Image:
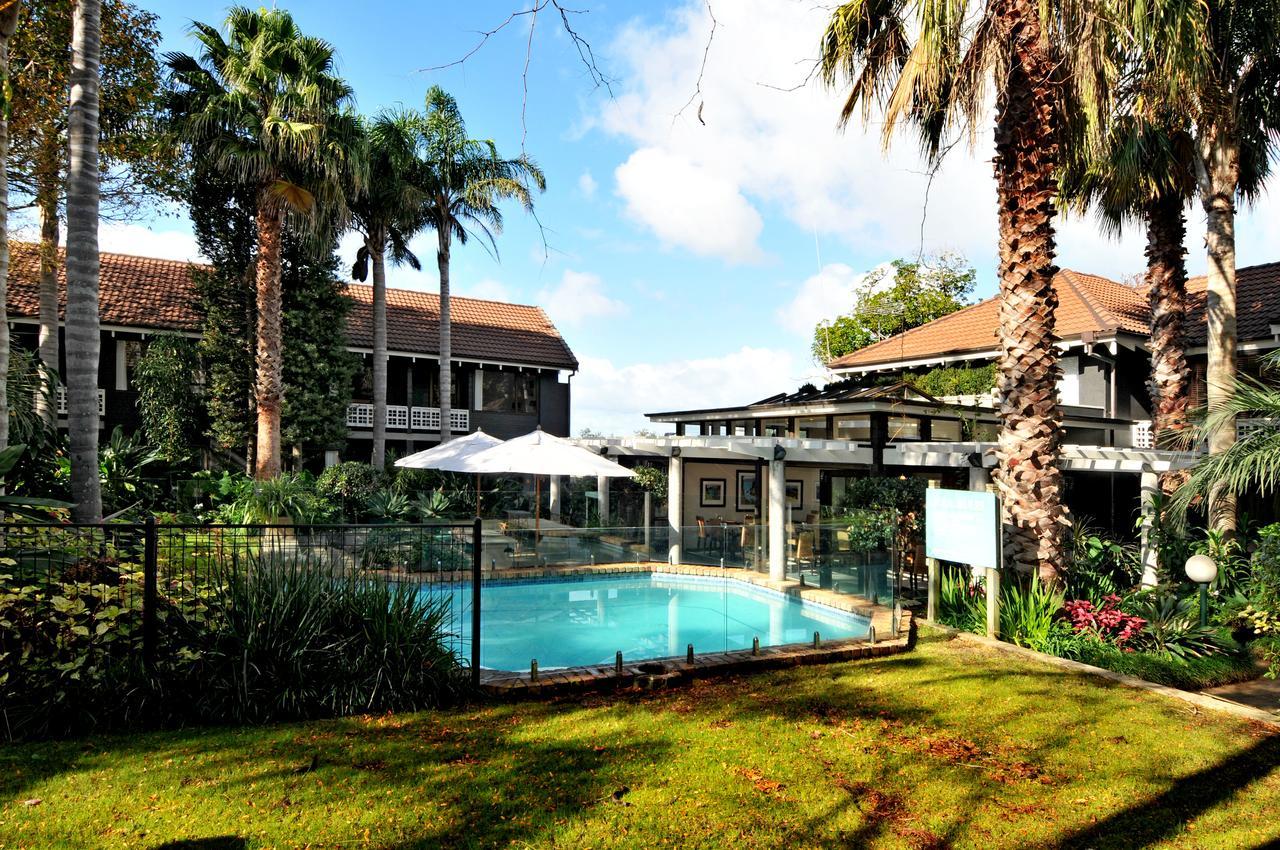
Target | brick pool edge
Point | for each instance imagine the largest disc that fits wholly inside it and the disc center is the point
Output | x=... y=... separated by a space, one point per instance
x=666 y=672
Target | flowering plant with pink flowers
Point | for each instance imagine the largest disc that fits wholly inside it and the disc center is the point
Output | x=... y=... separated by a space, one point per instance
x=1106 y=621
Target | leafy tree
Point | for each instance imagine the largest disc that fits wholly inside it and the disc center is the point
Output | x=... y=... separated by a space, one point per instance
x=82 y=325
x=136 y=164
x=264 y=106
x=167 y=398
x=918 y=293
x=388 y=212
x=466 y=181
x=8 y=21
x=319 y=371
x=929 y=64
x=1219 y=63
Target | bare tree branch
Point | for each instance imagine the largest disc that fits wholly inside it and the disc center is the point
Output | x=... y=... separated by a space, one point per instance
x=702 y=69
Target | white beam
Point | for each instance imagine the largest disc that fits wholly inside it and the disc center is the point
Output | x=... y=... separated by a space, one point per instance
x=777 y=520
x=675 y=508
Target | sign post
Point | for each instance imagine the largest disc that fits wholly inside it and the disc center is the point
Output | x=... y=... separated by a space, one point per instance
x=964 y=527
x=934 y=578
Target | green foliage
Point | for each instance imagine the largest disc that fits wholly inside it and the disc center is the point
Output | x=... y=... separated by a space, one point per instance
x=349 y=485
x=413 y=550
x=36 y=471
x=1029 y=613
x=126 y=470
x=1100 y=565
x=869 y=531
x=167 y=396
x=1173 y=625
x=956 y=380
x=297 y=642
x=388 y=506
x=289 y=497
x=919 y=293
x=1264 y=577
x=319 y=371
x=1188 y=673
x=652 y=479
x=39 y=508
x=962 y=601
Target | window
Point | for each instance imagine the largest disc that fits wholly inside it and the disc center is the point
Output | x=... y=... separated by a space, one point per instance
x=813 y=427
x=509 y=392
x=426 y=386
x=946 y=430
x=853 y=428
x=775 y=427
x=904 y=428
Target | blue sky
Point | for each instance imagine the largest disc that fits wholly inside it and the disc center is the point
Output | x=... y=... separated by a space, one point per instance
x=691 y=251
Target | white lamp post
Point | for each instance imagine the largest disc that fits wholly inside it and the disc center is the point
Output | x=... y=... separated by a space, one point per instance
x=1202 y=570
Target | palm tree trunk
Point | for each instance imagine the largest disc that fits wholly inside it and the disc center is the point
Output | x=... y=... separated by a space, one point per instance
x=83 y=338
x=446 y=339
x=1167 y=291
x=269 y=386
x=1218 y=172
x=8 y=22
x=48 y=344
x=377 y=254
x=1031 y=434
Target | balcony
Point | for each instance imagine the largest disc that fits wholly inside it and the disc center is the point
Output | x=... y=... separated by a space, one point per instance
x=1144 y=439
x=401 y=418
x=62 y=402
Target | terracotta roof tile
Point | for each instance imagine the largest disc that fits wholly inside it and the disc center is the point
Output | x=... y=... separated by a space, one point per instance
x=1257 y=303
x=145 y=292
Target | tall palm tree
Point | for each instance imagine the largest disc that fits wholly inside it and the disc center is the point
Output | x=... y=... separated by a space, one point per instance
x=1142 y=170
x=387 y=213
x=466 y=181
x=8 y=23
x=927 y=66
x=1221 y=68
x=82 y=262
x=265 y=107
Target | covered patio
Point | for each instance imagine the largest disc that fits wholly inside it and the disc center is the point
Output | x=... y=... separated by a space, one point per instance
x=767 y=490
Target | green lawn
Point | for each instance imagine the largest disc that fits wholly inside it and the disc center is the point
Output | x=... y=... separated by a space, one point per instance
x=954 y=745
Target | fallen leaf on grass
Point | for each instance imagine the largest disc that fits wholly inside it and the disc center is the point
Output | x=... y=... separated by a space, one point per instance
x=34 y=801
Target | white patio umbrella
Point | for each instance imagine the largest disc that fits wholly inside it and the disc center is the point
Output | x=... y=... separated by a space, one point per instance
x=539 y=453
x=451 y=456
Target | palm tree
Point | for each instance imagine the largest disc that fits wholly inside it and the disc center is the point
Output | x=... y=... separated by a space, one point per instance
x=8 y=23
x=1251 y=464
x=925 y=64
x=1142 y=170
x=265 y=107
x=466 y=180
x=82 y=263
x=388 y=213
x=1220 y=62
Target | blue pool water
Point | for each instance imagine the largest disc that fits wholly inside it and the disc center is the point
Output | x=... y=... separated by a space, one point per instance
x=646 y=615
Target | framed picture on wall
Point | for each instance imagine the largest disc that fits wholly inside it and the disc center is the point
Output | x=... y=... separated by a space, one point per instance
x=747 y=491
x=795 y=494
x=711 y=493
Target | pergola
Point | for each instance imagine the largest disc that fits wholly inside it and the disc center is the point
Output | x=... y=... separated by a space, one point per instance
x=776 y=452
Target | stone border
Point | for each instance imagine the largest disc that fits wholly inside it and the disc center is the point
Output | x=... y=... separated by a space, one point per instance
x=1200 y=700
x=655 y=673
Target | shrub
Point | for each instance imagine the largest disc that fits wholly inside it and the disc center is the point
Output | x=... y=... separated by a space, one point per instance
x=1264 y=572
x=348 y=486
x=1029 y=613
x=962 y=380
x=1173 y=627
x=387 y=506
x=1105 y=622
x=1192 y=674
x=962 y=602
x=297 y=643
x=1100 y=565
x=291 y=496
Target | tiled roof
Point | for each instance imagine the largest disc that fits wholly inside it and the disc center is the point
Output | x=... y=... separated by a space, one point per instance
x=1257 y=303
x=143 y=292
x=1086 y=303
x=482 y=330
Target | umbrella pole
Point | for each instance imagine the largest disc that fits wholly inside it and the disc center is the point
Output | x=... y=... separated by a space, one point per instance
x=478 y=479
x=537 y=509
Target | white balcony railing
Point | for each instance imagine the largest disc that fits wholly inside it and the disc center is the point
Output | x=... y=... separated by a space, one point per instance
x=401 y=418
x=62 y=402
x=1142 y=437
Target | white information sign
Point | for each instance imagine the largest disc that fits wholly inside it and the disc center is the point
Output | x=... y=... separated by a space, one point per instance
x=962 y=526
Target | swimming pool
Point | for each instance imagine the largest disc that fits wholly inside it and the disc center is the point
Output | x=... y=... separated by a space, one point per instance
x=574 y=622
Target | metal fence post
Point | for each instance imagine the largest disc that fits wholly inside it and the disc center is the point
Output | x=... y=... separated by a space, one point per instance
x=476 y=559
x=150 y=561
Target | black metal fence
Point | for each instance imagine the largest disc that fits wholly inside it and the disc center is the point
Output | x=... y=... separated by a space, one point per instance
x=154 y=573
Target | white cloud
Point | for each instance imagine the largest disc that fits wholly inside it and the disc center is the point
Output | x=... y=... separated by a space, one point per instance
x=824 y=295
x=605 y=395
x=577 y=297
x=689 y=206
x=587 y=184
x=120 y=238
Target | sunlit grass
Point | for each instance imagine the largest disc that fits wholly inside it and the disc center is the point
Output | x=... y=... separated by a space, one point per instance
x=953 y=745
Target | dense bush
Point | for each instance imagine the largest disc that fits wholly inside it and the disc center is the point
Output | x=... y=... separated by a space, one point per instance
x=349 y=484
x=275 y=641
x=951 y=380
x=299 y=643
x=1101 y=566
x=1191 y=674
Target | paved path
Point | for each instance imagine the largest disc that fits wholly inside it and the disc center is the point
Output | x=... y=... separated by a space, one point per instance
x=1260 y=693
